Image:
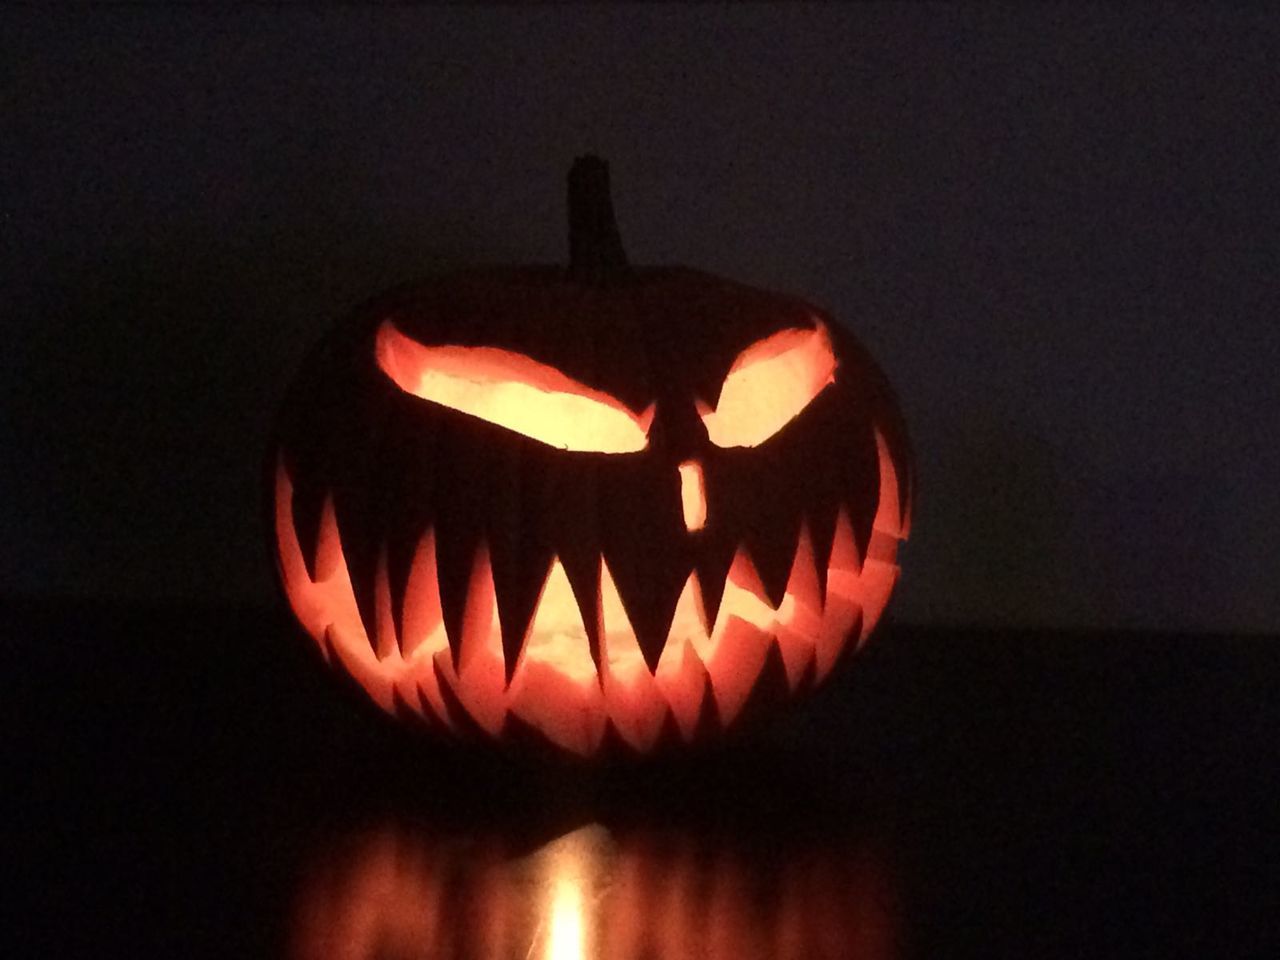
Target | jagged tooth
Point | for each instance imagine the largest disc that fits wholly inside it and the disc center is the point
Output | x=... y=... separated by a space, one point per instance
x=520 y=571
x=713 y=569
x=860 y=509
x=633 y=699
x=889 y=516
x=745 y=598
x=800 y=615
x=556 y=688
x=822 y=527
x=689 y=620
x=881 y=577
x=338 y=600
x=682 y=678
x=386 y=642
x=457 y=549
x=845 y=558
x=845 y=595
x=620 y=644
x=771 y=541
x=307 y=503
x=457 y=715
x=328 y=553
x=348 y=543
x=840 y=620
x=859 y=482
x=474 y=693
x=649 y=597
x=401 y=548
x=582 y=567
x=556 y=635
x=709 y=723
x=421 y=620
x=892 y=447
x=740 y=650
x=477 y=675
x=318 y=606
x=802 y=584
x=479 y=633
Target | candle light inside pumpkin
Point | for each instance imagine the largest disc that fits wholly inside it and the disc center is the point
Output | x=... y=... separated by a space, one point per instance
x=693 y=495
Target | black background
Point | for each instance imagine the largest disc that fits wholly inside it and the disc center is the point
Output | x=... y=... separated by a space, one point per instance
x=1055 y=227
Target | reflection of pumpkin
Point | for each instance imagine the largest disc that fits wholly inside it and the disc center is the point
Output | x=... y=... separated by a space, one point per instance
x=588 y=894
x=601 y=507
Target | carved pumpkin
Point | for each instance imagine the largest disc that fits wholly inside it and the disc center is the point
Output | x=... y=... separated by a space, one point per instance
x=603 y=507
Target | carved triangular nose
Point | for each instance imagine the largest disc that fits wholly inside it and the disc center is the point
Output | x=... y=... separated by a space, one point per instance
x=693 y=495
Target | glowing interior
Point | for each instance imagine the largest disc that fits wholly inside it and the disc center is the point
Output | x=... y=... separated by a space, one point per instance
x=593 y=894
x=693 y=495
x=513 y=391
x=556 y=686
x=768 y=386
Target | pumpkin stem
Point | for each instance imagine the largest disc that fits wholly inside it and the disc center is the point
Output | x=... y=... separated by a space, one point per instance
x=595 y=247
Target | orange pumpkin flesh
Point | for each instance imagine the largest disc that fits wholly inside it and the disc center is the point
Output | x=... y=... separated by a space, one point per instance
x=605 y=515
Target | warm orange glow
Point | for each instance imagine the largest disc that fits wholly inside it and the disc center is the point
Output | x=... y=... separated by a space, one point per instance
x=513 y=391
x=564 y=925
x=375 y=904
x=693 y=495
x=557 y=636
x=770 y=383
x=591 y=894
x=480 y=678
x=635 y=702
x=567 y=880
x=556 y=686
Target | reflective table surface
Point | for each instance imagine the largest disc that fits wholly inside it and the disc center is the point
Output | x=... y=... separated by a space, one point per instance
x=188 y=785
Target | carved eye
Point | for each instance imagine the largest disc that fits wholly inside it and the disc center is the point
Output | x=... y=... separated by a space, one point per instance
x=513 y=391
x=768 y=386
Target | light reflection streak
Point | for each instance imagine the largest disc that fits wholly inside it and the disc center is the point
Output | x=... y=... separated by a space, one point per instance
x=591 y=893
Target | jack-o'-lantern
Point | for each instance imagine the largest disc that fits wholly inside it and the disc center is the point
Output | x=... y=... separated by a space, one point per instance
x=603 y=507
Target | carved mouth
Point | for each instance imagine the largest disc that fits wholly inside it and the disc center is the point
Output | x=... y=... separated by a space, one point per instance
x=557 y=687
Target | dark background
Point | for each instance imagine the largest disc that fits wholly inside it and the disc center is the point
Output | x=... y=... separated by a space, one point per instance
x=1055 y=227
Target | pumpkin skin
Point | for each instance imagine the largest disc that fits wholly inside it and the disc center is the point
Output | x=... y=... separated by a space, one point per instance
x=481 y=580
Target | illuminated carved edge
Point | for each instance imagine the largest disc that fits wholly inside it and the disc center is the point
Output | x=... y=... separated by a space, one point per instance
x=556 y=687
